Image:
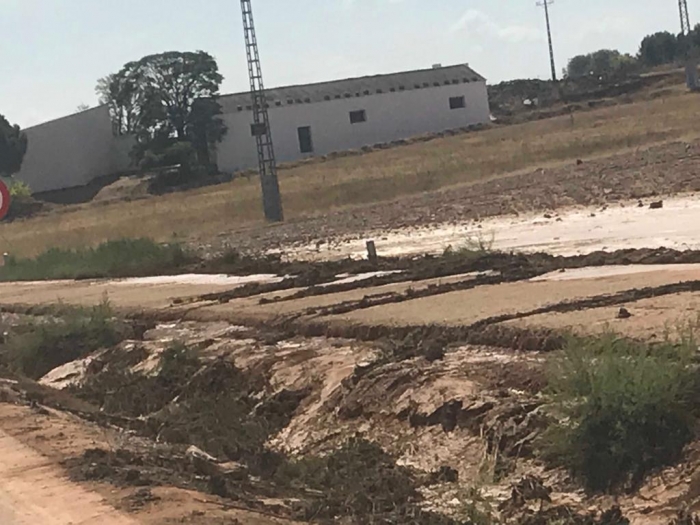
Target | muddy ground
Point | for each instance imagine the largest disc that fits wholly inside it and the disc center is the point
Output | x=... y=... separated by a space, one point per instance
x=416 y=395
x=644 y=174
x=299 y=430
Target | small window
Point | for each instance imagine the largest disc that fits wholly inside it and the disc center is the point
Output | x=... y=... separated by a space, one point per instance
x=258 y=129
x=356 y=117
x=457 y=103
x=306 y=144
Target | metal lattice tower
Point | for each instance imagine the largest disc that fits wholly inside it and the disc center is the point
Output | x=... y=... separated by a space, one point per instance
x=267 y=164
x=546 y=4
x=685 y=18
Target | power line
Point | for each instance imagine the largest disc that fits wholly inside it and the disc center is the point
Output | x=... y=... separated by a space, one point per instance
x=267 y=164
x=546 y=4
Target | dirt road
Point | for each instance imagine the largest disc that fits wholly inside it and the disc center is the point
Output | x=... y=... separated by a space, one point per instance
x=33 y=491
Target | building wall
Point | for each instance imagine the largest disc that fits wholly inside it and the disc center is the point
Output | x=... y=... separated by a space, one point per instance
x=390 y=116
x=73 y=151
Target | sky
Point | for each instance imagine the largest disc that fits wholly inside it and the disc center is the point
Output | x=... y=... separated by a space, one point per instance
x=53 y=51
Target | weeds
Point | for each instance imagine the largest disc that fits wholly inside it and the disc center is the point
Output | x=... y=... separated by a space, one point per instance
x=37 y=349
x=473 y=247
x=124 y=258
x=625 y=409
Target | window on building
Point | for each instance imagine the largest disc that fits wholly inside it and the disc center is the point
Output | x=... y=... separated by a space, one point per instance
x=457 y=103
x=357 y=117
x=258 y=130
x=306 y=144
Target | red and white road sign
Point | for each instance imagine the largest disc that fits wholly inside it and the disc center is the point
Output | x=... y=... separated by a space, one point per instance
x=4 y=200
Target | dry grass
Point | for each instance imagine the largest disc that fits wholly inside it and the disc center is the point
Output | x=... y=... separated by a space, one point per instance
x=378 y=176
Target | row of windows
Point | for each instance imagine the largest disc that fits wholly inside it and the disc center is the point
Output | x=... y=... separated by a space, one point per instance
x=359 y=116
x=306 y=144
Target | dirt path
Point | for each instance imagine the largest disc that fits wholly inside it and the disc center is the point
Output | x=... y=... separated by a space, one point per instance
x=33 y=491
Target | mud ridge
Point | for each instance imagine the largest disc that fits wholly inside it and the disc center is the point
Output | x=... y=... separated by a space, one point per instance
x=310 y=275
x=600 y=301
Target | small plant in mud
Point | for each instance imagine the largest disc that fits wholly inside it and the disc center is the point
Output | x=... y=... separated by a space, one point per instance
x=37 y=348
x=625 y=409
x=473 y=246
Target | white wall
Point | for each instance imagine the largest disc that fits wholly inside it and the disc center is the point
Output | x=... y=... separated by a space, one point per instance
x=74 y=150
x=390 y=116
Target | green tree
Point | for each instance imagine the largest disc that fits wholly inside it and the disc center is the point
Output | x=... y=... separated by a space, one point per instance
x=169 y=102
x=606 y=63
x=579 y=66
x=659 y=48
x=13 y=147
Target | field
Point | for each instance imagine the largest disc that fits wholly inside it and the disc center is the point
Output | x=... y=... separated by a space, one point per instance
x=363 y=184
x=547 y=375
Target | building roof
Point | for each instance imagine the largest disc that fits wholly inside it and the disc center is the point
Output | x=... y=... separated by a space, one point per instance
x=356 y=87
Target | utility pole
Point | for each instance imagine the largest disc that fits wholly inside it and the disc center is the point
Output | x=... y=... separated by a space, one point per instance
x=267 y=164
x=691 y=65
x=685 y=18
x=546 y=4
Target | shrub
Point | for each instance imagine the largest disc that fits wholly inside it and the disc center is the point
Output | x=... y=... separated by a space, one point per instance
x=19 y=190
x=44 y=345
x=624 y=407
x=472 y=247
x=124 y=258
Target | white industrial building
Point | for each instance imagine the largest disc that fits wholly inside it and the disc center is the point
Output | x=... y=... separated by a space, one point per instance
x=306 y=120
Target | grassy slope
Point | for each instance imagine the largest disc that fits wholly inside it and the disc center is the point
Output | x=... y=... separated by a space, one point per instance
x=378 y=176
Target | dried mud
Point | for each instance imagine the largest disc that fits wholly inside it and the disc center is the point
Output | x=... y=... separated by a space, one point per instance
x=660 y=170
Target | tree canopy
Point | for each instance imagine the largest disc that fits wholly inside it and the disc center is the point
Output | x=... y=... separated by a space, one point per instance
x=655 y=50
x=659 y=48
x=169 y=102
x=13 y=147
x=603 y=63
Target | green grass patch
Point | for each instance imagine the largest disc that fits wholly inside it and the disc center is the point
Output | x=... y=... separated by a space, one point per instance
x=123 y=258
x=625 y=409
x=35 y=349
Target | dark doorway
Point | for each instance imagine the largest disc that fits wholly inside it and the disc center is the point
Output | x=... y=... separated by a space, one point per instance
x=306 y=144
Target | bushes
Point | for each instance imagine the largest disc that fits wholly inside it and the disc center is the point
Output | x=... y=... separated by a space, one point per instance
x=124 y=258
x=44 y=345
x=625 y=409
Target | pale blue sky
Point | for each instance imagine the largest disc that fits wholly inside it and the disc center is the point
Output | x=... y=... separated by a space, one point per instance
x=53 y=51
